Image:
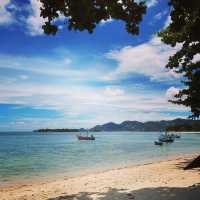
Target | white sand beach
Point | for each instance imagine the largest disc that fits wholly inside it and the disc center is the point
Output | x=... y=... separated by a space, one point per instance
x=163 y=180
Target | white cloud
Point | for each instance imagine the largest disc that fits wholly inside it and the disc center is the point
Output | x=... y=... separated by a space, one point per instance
x=88 y=105
x=196 y=58
x=167 y=22
x=34 y=22
x=171 y=92
x=5 y=16
x=149 y=3
x=159 y=15
x=113 y=91
x=103 y=22
x=67 y=61
x=38 y=65
x=148 y=59
x=24 y=77
x=56 y=85
x=60 y=65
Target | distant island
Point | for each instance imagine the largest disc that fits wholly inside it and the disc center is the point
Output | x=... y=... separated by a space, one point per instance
x=57 y=130
x=169 y=125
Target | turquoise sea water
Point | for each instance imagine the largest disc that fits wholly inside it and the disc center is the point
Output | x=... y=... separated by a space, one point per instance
x=34 y=155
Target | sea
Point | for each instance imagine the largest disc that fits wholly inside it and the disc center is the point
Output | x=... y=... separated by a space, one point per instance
x=26 y=156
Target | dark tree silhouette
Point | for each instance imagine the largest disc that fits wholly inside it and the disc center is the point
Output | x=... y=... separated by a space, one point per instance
x=185 y=29
x=86 y=14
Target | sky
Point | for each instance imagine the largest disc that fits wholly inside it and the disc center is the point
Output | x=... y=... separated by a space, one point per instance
x=77 y=79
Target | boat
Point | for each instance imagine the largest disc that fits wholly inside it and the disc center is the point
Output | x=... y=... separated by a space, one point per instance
x=85 y=137
x=178 y=136
x=166 y=138
x=158 y=143
x=175 y=136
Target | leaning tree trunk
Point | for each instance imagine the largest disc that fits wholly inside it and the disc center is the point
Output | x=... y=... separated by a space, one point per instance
x=194 y=164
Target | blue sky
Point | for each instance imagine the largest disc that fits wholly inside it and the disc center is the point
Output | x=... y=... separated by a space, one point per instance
x=77 y=79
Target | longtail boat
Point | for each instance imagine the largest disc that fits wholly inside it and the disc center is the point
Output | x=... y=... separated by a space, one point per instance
x=81 y=137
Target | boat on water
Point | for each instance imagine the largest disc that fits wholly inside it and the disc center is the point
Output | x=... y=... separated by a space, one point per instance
x=158 y=143
x=166 y=138
x=176 y=136
x=85 y=137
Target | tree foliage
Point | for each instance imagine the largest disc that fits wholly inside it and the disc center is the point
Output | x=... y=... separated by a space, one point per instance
x=193 y=126
x=86 y=14
x=185 y=29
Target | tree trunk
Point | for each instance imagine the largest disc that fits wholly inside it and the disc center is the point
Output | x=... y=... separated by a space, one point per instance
x=194 y=164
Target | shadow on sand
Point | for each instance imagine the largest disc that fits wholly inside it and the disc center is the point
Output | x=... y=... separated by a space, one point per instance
x=181 y=165
x=159 y=193
x=189 y=163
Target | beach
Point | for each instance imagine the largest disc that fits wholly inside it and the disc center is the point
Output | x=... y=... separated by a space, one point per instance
x=158 y=180
x=99 y=100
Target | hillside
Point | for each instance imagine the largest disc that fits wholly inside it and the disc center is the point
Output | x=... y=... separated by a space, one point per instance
x=176 y=125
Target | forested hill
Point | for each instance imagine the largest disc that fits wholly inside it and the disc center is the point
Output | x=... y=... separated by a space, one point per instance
x=169 y=125
x=172 y=125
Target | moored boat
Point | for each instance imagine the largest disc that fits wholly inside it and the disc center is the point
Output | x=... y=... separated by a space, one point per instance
x=158 y=143
x=82 y=137
x=166 y=138
x=177 y=136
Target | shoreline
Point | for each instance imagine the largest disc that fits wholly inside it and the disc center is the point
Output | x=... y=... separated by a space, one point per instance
x=92 y=171
x=141 y=173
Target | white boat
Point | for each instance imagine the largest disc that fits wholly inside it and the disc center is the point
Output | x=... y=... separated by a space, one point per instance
x=166 y=138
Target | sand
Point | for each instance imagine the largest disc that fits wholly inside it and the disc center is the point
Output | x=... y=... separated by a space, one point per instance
x=163 y=180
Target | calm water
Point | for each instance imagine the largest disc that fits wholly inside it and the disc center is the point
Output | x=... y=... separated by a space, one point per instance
x=33 y=155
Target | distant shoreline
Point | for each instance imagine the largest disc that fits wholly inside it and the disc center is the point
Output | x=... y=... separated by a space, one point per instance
x=57 y=130
x=78 y=131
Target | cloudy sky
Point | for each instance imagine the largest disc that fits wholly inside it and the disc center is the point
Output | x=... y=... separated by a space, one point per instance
x=77 y=79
